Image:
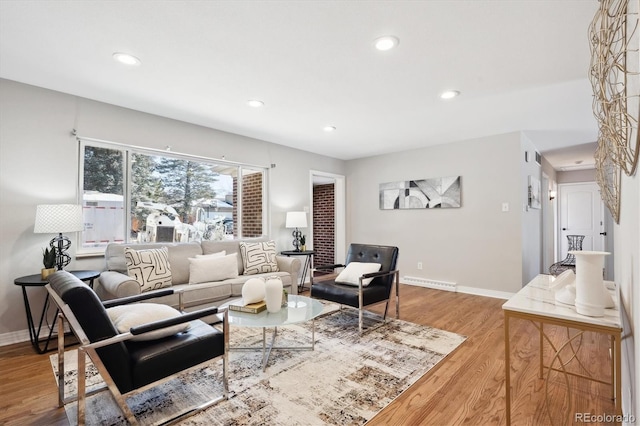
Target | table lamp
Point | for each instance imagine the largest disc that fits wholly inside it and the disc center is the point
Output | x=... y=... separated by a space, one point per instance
x=296 y=220
x=59 y=218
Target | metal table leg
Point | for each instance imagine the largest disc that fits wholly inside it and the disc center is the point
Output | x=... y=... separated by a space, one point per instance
x=34 y=335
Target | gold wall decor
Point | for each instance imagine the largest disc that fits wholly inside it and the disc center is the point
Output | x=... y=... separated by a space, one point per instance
x=615 y=79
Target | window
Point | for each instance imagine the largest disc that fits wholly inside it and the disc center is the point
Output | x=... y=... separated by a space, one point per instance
x=133 y=194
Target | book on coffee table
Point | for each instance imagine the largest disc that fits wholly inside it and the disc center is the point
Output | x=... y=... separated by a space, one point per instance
x=251 y=308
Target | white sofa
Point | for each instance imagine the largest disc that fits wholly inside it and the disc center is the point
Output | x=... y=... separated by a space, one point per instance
x=115 y=283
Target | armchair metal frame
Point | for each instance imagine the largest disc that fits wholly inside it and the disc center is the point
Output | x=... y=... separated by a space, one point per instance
x=361 y=289
x=90 y=349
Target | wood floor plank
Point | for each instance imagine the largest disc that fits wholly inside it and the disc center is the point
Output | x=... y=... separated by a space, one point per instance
x=467 y=388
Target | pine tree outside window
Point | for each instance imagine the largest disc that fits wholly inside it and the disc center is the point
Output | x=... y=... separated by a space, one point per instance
x=137 y=195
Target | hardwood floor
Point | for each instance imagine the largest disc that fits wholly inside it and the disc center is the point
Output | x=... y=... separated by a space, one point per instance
x=467 y=388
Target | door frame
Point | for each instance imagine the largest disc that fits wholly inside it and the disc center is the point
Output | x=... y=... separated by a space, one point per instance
x=606 y=226
x=340 y=208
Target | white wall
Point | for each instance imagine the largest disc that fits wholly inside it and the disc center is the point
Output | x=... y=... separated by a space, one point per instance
x=627 y=276
x=576 y=176
x=39 y=164
x=477 y=245
x=531 y=218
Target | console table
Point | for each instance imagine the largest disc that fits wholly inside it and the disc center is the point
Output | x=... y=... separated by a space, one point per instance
x=536 y=303
x=37 y=281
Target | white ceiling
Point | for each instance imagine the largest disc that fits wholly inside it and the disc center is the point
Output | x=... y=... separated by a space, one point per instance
x=520 y=65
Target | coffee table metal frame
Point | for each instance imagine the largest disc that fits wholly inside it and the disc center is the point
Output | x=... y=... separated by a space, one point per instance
x=299 y=309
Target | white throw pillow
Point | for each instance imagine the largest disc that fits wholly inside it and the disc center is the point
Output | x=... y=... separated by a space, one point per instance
x=259 y=258
x=124 y=317
x=207 y=269
x=150 y=267
x=355 y=270
x=218 y=254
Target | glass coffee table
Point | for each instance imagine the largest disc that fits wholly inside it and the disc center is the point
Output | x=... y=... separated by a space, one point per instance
x=299 y=309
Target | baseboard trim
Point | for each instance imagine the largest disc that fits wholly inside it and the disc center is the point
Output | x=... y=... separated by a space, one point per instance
x=14 y=337
x=23 y=336
x=496 y=294
x=469 y=290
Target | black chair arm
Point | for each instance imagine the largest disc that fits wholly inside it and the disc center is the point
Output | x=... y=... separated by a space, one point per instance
x=137 y=298
x=378 y=274
x=156 y=325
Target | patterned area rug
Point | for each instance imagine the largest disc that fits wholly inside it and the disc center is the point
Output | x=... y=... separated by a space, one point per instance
x=346 y=380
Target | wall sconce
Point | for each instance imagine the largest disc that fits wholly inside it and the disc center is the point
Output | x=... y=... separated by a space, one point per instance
x=552 y=195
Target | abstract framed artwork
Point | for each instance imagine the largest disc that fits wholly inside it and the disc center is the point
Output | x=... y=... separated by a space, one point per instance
x=535 y=193
x=433 y=193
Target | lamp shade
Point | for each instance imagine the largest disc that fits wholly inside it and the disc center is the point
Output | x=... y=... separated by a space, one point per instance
x=296 y=220
x=58 y=218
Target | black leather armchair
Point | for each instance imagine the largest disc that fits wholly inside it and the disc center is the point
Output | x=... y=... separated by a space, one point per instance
x=378 y=290
x=127 y=366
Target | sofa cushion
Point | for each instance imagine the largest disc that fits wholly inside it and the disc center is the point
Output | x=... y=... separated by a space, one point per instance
x=212 y=268
x=259 y=257
x=179 y=254
x=354 y=270
x=150 y=268
x=238 y=283
x=199 y=294
x=210 y=255
x=124 y=317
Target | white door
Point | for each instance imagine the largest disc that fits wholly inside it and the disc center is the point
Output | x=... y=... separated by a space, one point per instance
x=581 y=213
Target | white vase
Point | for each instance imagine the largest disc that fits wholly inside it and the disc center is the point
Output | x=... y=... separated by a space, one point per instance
x=253 y=291
x=273 y=290
x=590 y=289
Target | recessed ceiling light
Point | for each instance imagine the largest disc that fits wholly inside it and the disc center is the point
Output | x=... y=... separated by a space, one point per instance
x=254 y=103
x=125 y=58
x=386 y=42
x=449 y=94
x=329 y=128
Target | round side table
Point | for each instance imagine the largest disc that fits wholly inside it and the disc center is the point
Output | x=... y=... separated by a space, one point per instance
x=37 y=281
x=308 y=264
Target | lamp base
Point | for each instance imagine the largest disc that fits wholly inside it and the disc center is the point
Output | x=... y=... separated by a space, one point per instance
x=296 y=239
x=61 y=244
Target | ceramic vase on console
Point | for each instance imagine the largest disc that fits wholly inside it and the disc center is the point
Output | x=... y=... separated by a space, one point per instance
x=564 y=286
x=273 y=296
x=591 y=294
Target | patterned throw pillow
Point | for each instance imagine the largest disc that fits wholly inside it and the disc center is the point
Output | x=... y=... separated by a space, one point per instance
x=258 y=257
x=149 y=267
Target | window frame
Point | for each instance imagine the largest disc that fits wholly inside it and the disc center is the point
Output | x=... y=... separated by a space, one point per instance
x=129 y=150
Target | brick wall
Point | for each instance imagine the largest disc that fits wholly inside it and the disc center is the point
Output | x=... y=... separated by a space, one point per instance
x=323 y=224
x=251 y=205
